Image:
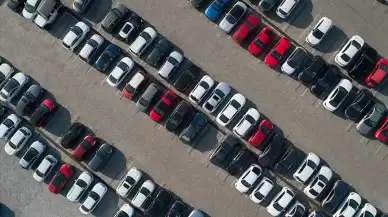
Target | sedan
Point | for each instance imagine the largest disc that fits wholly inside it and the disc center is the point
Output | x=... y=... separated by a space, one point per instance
x=273 y=151
x=186 y=78
x=223 y=151
x=114 y=16
x=215 y=9
x=319 y=182
x=349 y=206
x=378 y=74
x=43 y=113
x=119 y=72
x=32 y=154
x=196 y=127
x=307 y=168
x=128 y=183
x=243 y=31
x=106 y=58
x=86 y=145
x=280 y=202
x=178 y=208
x=45 y=167
x=181 y=113
x=72 y=134
x=143 y=41
x=131 y=27
x=382 y=132
x=219 y=93
x=29 y=10
x=319 y=31
x=126 y=210
x=143 y=194
x=326 y=81
x=363 y=102
x=61 y=178
x=278 y=51
x=94 y=197
x=261 y=41
x=337 y=95
x=167 y=101
x=262 y=133
x=233 y=16
x=80 y=186
x=101 y=157
x=262 y=190
x=294 y=61
x=159 y=204
x=29 y=100
x=6 y=72
x=9 y=125
x=246 y=123
x=91 y=47
x=13 y=87
x=349 y=50
x=367 y=211
x=172 y=62
x=201 y=89
x=297 y=209
x=235 y=104
x=80 y=6
x=248 y=178
x=337 y=194
x=288 y=162
x=314 y=70
x=159 y=52
x=371 y=119
x=75 y=35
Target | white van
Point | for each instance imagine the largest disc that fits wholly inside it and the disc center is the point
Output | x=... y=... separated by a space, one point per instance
x=286 y=7
x=47 y=12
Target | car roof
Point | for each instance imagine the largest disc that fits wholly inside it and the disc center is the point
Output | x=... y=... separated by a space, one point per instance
x=325 y=25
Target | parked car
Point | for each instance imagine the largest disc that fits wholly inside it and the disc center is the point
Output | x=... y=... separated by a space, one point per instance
x=6 y=72
x=47 y=13
x=134 y=85
x=319 y=31
x=165 y=104
x=17 y=141
x=349 y=50
x=84 y=146
x=29 y=10
x=3 y=110
x=196 y=127
x=120 y=71
x=93 y=199
x=246 y=28
x=75 y=36
x=337 y=194
x=319 y=182
x=186 y=78
x=288 y=162
x=216 y=8
x=101 y=157
x=349 y=206
x=32 y=154
x=159 y=204
x=42 y=113
x=29 y=99
x=262 y=190
x=220 y=92
x=314 y=70
x=201 y=89
x=159 y=52
x=363 y=102
x=72 y=134
x=307 y=168
x=8 y=126
x=178 y=208
x=80 y=6
x=262 y=133
x=126 y=210
x=371 y=119
x=172 y=62
x=280 y=202
x=248 y=178
x=278 y=51
x=131 y=27
x=13 y=87
x=266 y=5
x=143 y=194
x=60 y=179
x=295 y=210
x=382 y=132
x=196 y=3
x=45 y=167
x=129 y=181
x=143 y=41
x=363 y=64
x=147 y=97
x=233 y=17
x=224 y=149
x=196 y=213
x=334 y=100
x=261 y=41
x=246 y=123
x=367 y=210
x=294 y=61
x=16 y=5
x=378 y=74
x=80 y=186
x=114 y=16
x=181 y=113
x=106 y=58
x=286 y=7
x=241 y=162
x=91 y=47
x=234 y=106
x=326 y=82
x=272 y=151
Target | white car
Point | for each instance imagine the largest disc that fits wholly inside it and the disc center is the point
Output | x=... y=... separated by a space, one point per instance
x=297 y=209
x=143 y=193
x=235 y=104
x=248 y=178
x=337 y=95
x=17 y=141
x=294 y=61
x=32 y=154
x=126 y=210
x=307 y=168
x=319 y=182
x=121 y=70
x=172 y=62
x=233 y=16
x=94 y=197
x=45 y=167
x=5 y=73
x=367 y=211
x=130 y=180
x=13 y=87
x=319 y=31
x=29 y=10
x=90 y=48
x=142 y=41
x=246 y=123
x=262 y=190
x=201 y=89
x=8 y=126
x=349 y=50
x=280 y=202
x=75 y=35
x=349 y=206
x=219 y=93
x=79 y=187
x=286 y=7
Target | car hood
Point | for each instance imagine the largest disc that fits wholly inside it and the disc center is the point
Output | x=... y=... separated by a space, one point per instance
x=312 y=40
x=287 y=69
x=69 y=38
x=166 y=69
x=226 y=26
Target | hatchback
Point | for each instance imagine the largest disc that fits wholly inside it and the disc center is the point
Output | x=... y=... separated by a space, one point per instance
x=119 y=72
x=234 y=106
x=159 y=52
x=248 y=178
x=164 y=105
x=44 y=111
x=114 y=16
x=86 y=145
x=319 y=31
x=220 y=92
x=45 y=167
x=91 y=47
x=133 y=85
x=378 y=74
x=93 y=199
x=278 y=51
x=246 y=123
x=186 y=78
x=294 y=61
x=101 y=157
x=233 y=16
x=170 y=65
x=106 y=58
x=72 y=134
x=17 y=141
x=181 y=113
x=80 y=186
x=319 y=182
x=307 y=168
x=196 y=127
x=337 y=95
x=32 y=154
x=286 y=7
x=75 y=35
x=262 y=133
x=143 y=41
x=147 y=97
x=129 y=181
x=243 y=31
x=371 y=119
x=201 y=89
x=143 y=194
x=262 y=190
x=261 y=41
x=60 y=179
x=280 y=202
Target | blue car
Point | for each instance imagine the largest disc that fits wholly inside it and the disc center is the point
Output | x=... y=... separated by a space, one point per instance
x=107 y=57
x=214 y=10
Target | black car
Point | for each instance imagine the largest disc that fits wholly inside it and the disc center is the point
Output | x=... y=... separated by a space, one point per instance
x=241 y=162
x=16 y=5
x=326 y=82
x=72 y=134
x=360 y=105
x=186 y=78
x=28 y=101
x=313 y=71
x=177 y=209
x=196 y=3
x=3 y=110
x=364 y=64
x=224 y=150
x=266 y=5
x=196 y=127
x=114 y=16
x=181 y=112
x=337 y=194
x=159 y=204
x=272 y=152
x=160 y=51
x=289 y=162
x=296 y=58
x=106 y=58
x=102 y=156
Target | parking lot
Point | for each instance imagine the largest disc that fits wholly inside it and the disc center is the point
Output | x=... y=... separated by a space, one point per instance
x=186 y=170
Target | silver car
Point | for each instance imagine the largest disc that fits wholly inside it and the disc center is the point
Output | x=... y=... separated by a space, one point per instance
x=28 y=100
x=371 y=119
x=146 y=98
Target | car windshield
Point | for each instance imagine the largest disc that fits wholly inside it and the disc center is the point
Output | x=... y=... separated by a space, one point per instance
x=235 y=104
x=161 y=108
x=173 y=61
x=276 y=55
x=216 y=7
x=219 y=93
x=122 y=214
x=113 y=79
x=11 y=85
x=86 y=145
x=384 y=67
x=77 y=30
x=250 y=119
x=318 y=34
x=245 y=183
x=259 y=43
x=31 y=154
x=368 y=214
x=8 y=123
x=170 y=97
x=4 y=96
x=145 y=191
x=123 y=66
x=94 y=195
x=258 y=195
x=145 y=35
x=353 y=204
x=126 y=28
x=105 y=57
x=30 y=8
x=81 y=183
x=14 y=146
x=130 y=180
x=356 y=44
x=277 y=207
x=265 y=5
x=230 y=19
x=77 y=5
x=40 y=174
x=143 y=102
x=313 y=192
x=341 y=94
x=370 y=123
x=345 y=57
x=311 y=164
x=59 y=179
x=224 y=119
x=130 y=89
x=385 y=132
x=282 y=12
x=293 y=64
x=204 y=85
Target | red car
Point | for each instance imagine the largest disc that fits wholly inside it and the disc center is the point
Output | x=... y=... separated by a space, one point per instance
x=382 y=133
x=42 y=113
x=265 y=36
x=243 y=31
x=277 y=52
x=378 y=74
x=165 y=104
x=265 y=128
x=61 y=178
x=87 y=143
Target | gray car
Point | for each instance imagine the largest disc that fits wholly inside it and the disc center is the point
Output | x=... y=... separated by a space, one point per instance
x=102 y=156
x=114 y=16
x=28 y=100
x=266 y=5
x=146 y=98
x=371 y=119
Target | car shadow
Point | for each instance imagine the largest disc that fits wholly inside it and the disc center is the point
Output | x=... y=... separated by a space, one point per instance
x=332 y=41
x=303 y=15
x=114 y=165
x=109 y=204
x=5 y=210
x=97 y=10
x=62 y=24
x=207 y=141
x=58 y=122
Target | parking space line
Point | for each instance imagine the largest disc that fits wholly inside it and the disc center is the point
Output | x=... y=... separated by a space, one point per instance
x=304 y=92
x=173 y=136
x=215 y=26
x=301 y=186
x=76 y=56
x=145 y=116
x=130 y=105
x=208 y=155
x=289 y=81
x=300 y=84
x=320 y=103
x=349 y=127
x=103 y=82
x=378 y=149
x=218 y=171
x=160 y=126
x=234 y=181
x=118 y=93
